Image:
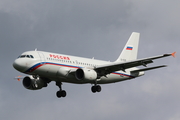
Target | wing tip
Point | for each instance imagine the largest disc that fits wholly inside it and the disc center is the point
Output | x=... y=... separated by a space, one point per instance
x=173 y=54
x=18 y=78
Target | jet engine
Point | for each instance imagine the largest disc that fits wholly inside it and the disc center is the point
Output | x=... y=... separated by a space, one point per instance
x=86 y=74
x=31 y=83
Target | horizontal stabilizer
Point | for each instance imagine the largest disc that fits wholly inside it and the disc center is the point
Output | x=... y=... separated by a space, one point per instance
x=145 y=69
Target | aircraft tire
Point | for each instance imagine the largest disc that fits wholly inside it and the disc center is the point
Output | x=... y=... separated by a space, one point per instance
x=63 y=93
x=98 y=88
x=60 y=94
x=93 y=89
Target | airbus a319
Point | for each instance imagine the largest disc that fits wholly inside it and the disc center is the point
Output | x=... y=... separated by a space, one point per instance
x=44 y=67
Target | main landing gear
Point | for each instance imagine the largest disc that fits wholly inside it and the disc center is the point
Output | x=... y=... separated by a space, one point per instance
x=96 y=88
x=60 y=93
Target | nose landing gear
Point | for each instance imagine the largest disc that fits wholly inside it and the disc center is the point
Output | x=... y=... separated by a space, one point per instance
x=60 y=93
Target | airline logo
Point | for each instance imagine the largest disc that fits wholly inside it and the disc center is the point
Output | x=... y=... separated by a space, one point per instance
x=59 y=57
x=129 y=48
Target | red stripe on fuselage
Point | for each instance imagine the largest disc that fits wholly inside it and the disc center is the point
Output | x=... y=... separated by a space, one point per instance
x=33 y=68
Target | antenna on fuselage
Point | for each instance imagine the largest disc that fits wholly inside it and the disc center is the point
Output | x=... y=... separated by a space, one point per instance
x=35 y=49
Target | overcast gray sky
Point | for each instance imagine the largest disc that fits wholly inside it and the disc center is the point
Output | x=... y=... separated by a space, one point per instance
x=91 y=28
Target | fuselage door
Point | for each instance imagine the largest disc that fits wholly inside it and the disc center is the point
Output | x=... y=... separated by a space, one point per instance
x=42 y=57
x=76 y=62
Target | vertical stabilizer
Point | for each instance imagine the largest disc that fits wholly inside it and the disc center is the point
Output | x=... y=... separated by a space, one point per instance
x=130 y=50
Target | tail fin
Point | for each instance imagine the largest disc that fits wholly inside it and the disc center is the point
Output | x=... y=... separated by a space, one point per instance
x=130 y=50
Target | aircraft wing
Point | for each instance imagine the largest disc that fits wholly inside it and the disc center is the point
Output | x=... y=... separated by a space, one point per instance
x=116 y=66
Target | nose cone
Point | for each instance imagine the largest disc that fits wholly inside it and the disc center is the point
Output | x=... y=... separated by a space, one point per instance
x=20 y=65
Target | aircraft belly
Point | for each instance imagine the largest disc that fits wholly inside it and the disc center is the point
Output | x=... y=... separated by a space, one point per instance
x=112 y=78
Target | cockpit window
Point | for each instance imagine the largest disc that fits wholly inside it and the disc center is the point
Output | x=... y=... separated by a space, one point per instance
x=22 y=56
x=25 y=56
x=31 y=56
x=28 y=56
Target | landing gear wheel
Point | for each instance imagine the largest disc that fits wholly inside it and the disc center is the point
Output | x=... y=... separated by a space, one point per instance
x=93 y=89
x=58 y=94
x=61 y=93
x=96 y=88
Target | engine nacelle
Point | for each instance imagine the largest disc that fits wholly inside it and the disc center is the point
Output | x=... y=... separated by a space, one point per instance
x=33 y=84
x=86 y=74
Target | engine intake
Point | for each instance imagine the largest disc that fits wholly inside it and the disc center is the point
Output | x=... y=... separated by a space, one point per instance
x=33 y=84
x=86 y=74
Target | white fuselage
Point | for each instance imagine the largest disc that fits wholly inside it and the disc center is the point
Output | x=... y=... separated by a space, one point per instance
x=44 y=67
x=57 y=67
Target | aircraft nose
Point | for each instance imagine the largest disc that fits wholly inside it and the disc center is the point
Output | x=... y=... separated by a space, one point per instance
x=19 y=65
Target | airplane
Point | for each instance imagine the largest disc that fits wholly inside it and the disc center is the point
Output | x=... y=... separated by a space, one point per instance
x=44 y=67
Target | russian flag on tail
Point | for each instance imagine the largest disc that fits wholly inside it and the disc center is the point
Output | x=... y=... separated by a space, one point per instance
x=129 y=48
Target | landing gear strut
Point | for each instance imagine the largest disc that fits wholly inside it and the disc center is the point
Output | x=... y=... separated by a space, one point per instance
x=60 y=93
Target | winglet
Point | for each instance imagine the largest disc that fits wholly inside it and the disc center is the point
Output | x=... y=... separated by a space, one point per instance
x=173 y=54
x=18 y=78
